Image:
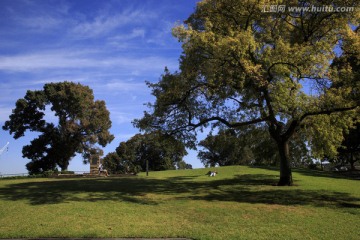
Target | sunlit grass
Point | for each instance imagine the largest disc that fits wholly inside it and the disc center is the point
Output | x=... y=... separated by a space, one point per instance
x=239 y=203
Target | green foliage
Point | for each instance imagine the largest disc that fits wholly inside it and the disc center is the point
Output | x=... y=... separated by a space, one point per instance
x=162 y=152
x=349 y=152
x=116 y=165
x=82 y=123
x=66 y=172
x=224 y=149
x=249 y=146
x=325 y=133
x=241 y=66
x=183 y=165
x=314 y=166
x=49 y=173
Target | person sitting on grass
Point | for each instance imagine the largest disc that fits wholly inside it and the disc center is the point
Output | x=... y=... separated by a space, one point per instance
x=212 y=173
x=101 y=169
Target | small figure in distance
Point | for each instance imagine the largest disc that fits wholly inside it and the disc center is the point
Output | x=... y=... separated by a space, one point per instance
x=212 y=173
x=101 y=169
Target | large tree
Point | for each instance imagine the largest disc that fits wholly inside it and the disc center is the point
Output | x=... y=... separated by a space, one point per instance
x=82 y=125
x=242 y=66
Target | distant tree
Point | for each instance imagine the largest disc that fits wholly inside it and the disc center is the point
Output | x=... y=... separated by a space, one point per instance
x=350 y=150
x=327 y=134
x=128 y=153
x=181 y=164
x=114 y=164
x=265 y=150
x=161 y=151
x=224 y=149
x=82 y=123
x=262 y=146
x=350 y=147
x=248 y=145
x=241 y=66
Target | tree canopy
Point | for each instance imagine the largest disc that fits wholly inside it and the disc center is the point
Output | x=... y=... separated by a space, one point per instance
x=82 y=124
x=241 y=66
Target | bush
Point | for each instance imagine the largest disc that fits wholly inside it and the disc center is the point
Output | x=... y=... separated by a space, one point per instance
x=48 y=173
x=313 y=166
x=67 y=172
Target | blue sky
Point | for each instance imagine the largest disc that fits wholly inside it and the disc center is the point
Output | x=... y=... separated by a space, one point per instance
x=113 y=46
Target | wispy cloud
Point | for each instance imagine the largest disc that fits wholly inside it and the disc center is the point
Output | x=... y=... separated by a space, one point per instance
x=65 y=59
x=126 y=86
x=35 y=17
x=40 y=23
x=119 y=117
x=105 y=23
x=125 y=39
x=162 y=34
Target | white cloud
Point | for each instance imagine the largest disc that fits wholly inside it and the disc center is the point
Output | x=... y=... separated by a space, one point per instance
x=105 y=23
x=135 y=33
x=67 y=59
x=126 y=86
x=45 y=60
x=40 y=23
x=35 y=17
x=162 y=35
x=118 y=117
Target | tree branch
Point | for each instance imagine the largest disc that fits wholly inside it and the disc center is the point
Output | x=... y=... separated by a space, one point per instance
x=327 y=112
x=227 y=123
x=271 y=117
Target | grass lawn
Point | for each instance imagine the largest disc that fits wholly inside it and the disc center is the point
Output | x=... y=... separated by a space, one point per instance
x=239 y=203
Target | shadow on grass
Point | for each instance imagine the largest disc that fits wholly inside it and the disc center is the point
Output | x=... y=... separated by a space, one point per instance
x=354 y=175
x=254 y=188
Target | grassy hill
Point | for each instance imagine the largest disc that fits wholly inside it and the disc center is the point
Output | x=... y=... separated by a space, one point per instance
x=239 y=203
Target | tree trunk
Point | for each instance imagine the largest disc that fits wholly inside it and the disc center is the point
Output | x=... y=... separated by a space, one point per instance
x=285 y=169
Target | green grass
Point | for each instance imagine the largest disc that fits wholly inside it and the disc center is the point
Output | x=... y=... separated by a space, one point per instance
x=239 y=203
